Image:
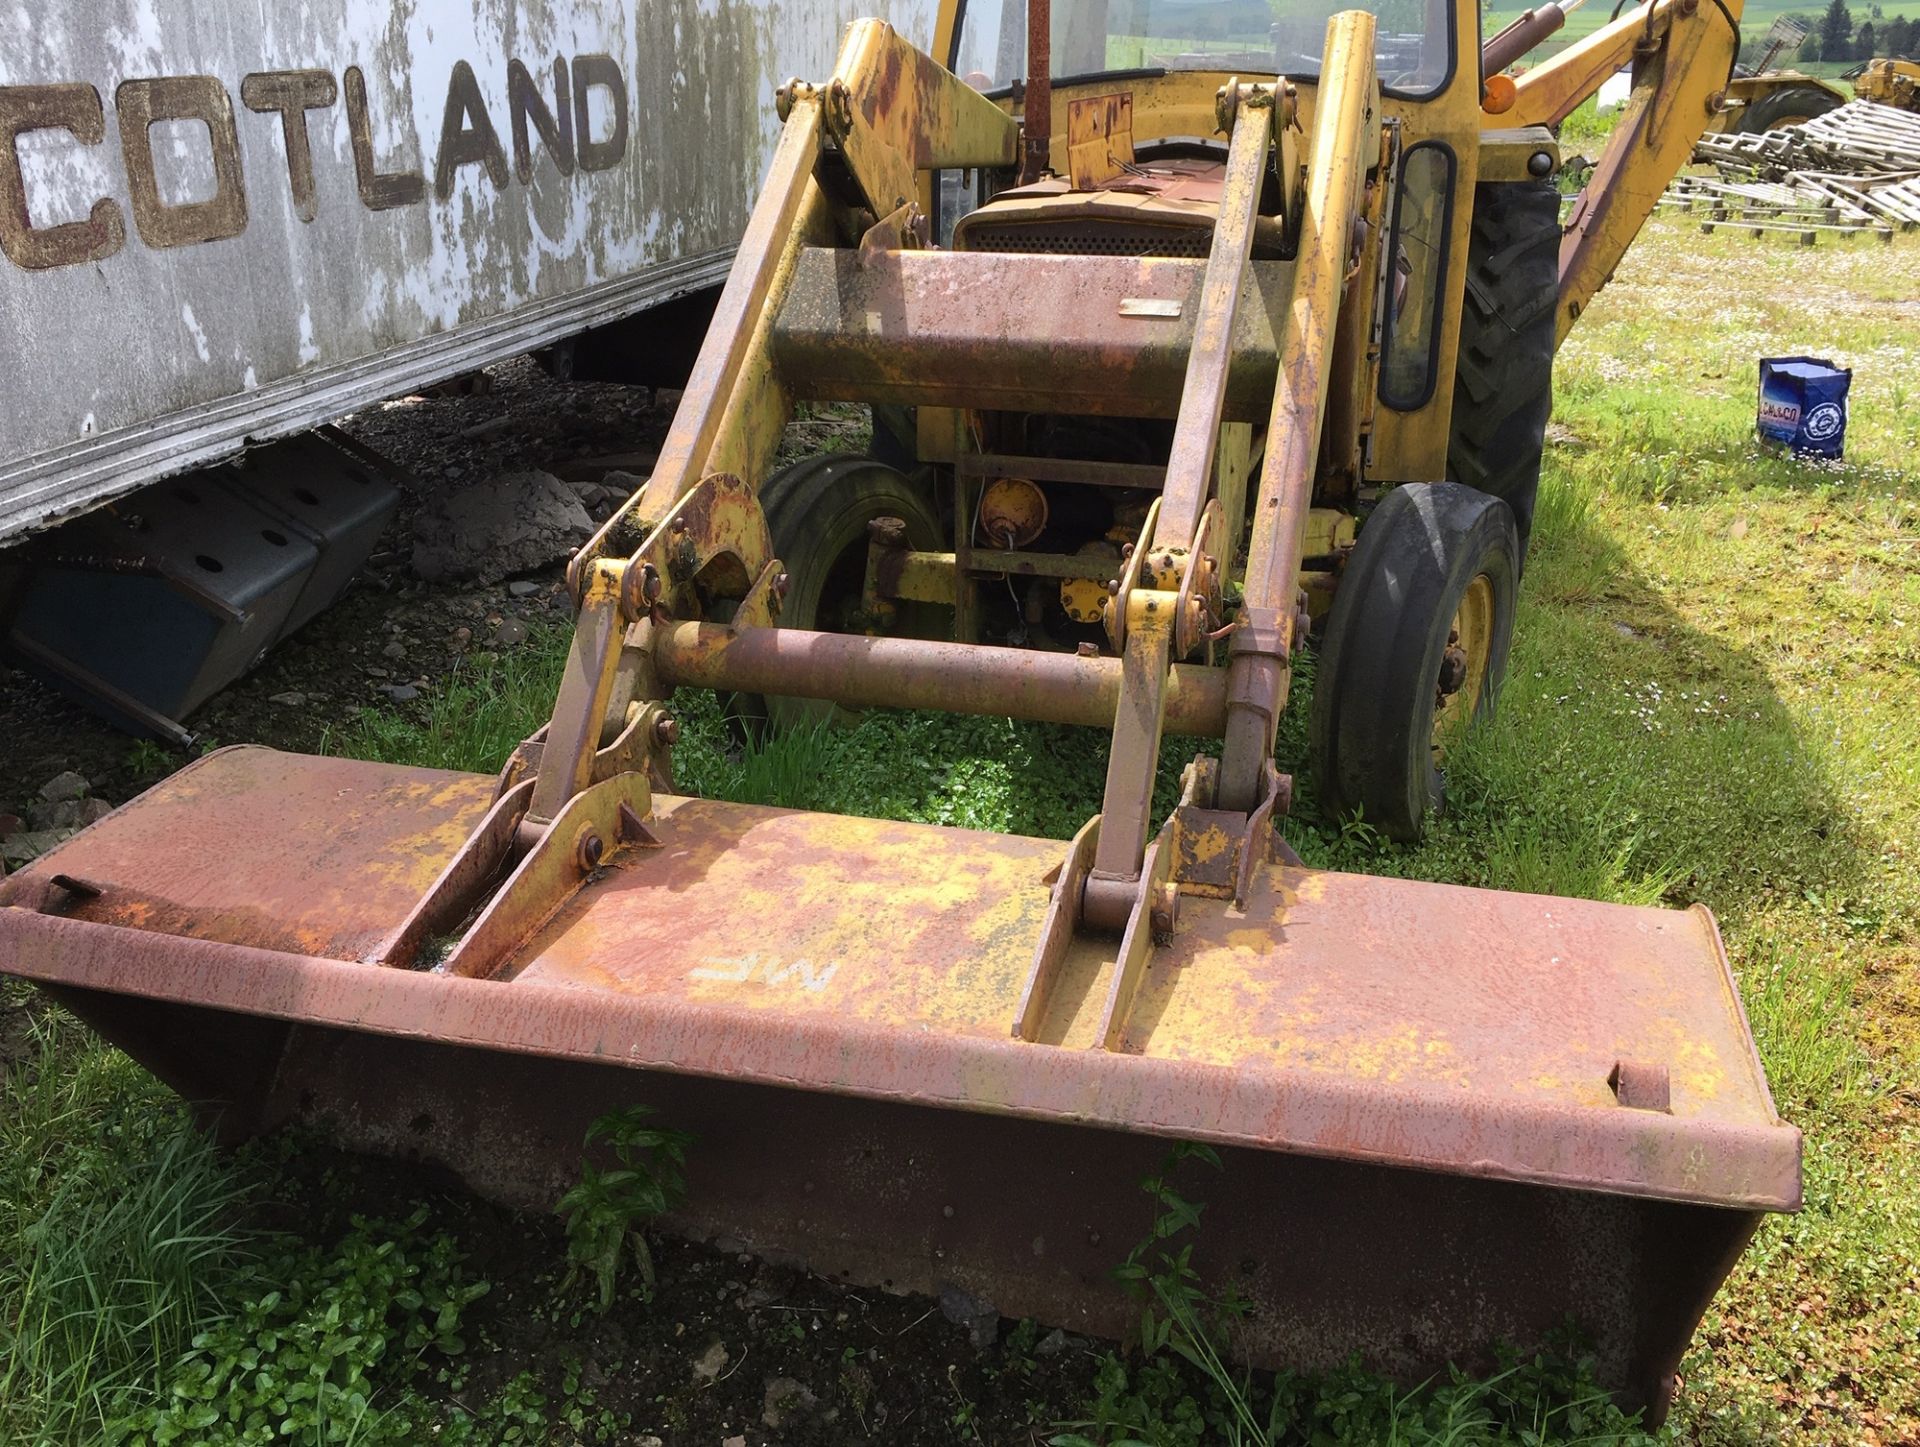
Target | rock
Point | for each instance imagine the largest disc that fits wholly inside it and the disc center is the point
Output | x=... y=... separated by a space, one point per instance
x=1053 y=1343
x=1739 y=528
x=512 y=523
x=27 y=847
x=459 y=638
x=288 y=700
x=396 y=649
x=739 y=1441
x=711 y=1362
x=64 y=815
x=492 y=427
x=76 y=813
x=522 y=588
x=623 y=484
x=592 y=495
x=373 y=672
x=403 y=693
x=11 y=824
x=68 y=785
x=786 y=1400
x=510 y=632
x=980 y=1318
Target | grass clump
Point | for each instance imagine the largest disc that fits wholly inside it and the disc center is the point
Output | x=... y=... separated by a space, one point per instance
x=473 y=720
x=142 y=1300
x=609 y=1210
x=117 y=1239
x=1181 y=1389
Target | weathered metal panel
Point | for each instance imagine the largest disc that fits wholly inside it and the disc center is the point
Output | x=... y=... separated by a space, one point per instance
x=483 y=176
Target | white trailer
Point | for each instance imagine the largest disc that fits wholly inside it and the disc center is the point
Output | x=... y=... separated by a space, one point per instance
x=227 y=223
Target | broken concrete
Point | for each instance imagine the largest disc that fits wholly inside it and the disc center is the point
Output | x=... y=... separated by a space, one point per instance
x=511 y=524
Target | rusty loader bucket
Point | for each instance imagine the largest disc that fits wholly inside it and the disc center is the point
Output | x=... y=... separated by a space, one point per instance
x=916 y=1056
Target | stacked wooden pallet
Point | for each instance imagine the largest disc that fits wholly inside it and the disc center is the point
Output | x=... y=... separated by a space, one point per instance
x=1853 y=170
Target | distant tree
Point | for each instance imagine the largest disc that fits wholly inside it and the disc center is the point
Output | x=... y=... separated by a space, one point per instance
x=1863 y=42
x=1810 y=47
x=1897 y=38
x=1836 y=31
x=1876 y=13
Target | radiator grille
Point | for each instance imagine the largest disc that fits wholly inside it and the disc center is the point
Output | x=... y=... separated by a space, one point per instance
x=1099 y=240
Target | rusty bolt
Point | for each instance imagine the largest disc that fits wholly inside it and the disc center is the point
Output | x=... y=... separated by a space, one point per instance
x=592 y=849
x=1165 y=911
x=649 y=583
x=1088 y=650
x=1113 y=585
x=1283 y=794
x=666 y=730
x=888 y=532
x=781 y=583
x=1126 y=550
x=679 y=525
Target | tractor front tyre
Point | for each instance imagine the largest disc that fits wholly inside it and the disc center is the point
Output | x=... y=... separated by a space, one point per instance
x=818 y=511
x=1503 y=379
x=1789 y=106
x=1413 y=651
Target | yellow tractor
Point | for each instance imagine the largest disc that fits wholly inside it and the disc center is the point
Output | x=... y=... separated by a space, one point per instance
x=1194 y=344
x=1890 y=82
x=1761 y=98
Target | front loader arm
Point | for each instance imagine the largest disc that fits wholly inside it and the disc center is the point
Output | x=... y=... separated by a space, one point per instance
x=848 y=159
x=1682 y=52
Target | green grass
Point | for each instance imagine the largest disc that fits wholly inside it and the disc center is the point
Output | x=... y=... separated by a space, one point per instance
x=115 y=1247
x=1714 y=696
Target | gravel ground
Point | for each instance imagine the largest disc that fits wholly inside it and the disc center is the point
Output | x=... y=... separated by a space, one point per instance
x=389 y=631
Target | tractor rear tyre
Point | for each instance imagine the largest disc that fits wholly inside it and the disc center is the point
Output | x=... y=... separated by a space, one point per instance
x=1413 y=652
x=1503 y=381
x=1788 y=106
x=818 y=511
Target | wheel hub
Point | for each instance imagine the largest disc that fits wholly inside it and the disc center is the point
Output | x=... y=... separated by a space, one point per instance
x=1463 y=667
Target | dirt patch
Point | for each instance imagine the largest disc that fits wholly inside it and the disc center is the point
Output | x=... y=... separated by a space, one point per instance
x=728 y=1346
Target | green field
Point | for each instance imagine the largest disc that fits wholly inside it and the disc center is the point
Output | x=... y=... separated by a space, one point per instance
x=1714 y=697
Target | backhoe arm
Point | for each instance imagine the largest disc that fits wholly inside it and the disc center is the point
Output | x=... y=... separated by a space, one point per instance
x=1682 y=53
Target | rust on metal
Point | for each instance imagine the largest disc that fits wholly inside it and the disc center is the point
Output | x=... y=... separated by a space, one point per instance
x=1345 y=142
x=1099 y=139
x=983 y=329
x=921 y=673
x=1382 y=1034
x=1036 y=103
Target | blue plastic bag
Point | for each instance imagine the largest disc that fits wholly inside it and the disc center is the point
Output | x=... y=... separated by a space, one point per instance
x=1803 y=404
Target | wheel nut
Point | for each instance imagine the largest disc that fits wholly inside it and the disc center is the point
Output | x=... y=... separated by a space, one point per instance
x=666 y=730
